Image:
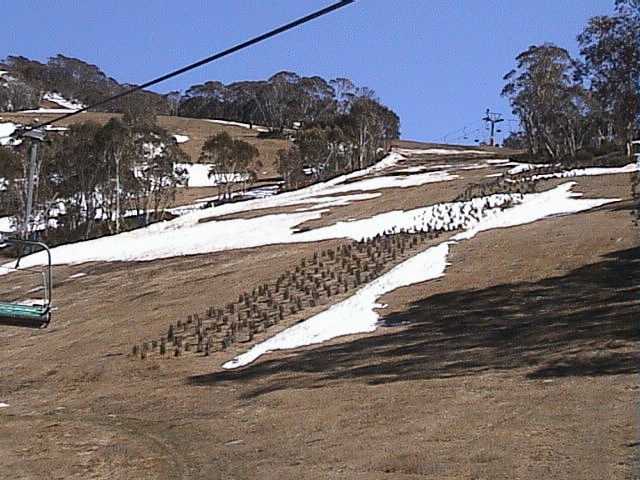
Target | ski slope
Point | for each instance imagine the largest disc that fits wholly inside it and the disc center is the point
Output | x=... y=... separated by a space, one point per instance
x=360 y=309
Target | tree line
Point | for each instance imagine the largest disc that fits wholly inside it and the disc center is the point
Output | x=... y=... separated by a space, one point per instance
x=339 y=127
x=279 y=102
x=358 y=135
x=570 y=108
x=26 y=81
x=93 y=180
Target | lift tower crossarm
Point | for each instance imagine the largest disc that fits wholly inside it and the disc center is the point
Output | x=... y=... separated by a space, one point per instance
x=493 y=119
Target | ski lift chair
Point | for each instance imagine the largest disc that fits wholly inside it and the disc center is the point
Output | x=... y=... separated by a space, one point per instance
x=34 y=314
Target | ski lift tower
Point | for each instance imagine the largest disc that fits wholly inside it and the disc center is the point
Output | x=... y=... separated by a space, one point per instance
x=492 y=118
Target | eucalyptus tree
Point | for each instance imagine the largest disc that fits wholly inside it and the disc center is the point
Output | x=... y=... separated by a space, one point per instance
x=610 y=46
x=548 y=101
x=231 y=161
x=153 y=182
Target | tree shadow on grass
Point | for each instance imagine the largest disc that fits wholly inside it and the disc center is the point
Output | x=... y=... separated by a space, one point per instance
x=586 y=323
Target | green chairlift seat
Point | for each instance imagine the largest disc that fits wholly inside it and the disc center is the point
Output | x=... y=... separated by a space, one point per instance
x=33 y=316
x=22 y=314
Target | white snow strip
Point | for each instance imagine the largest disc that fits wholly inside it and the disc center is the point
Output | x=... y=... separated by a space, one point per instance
x=32 y=302
x=525 y=167
x=3 y=405
x=78 y=275
x=258 y=128
x=417 y=168
x=341 y=201
x=536 y=206
x=357 y=313
x=63 y=102
x=498 y=161
x=492 y=175
x=181 y=138
x=48 y=110
x=584 y=172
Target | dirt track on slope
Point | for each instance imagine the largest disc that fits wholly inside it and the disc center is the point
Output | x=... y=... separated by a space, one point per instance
x=520 y=363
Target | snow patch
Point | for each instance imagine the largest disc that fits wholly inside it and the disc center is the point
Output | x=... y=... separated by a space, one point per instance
x=6 y=130
x=357 y=313
x=536 y=206
x=49 y=110
x=53 y=128
x=257 y=128
x=525 y=167
x=63 y=102
x=181 y=138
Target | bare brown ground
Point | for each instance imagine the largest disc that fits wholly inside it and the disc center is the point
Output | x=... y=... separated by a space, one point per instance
x=411 y=144
x=520 y=363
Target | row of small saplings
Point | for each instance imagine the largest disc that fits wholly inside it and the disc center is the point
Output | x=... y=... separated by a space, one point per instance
x=313 y=282
x=500 y=185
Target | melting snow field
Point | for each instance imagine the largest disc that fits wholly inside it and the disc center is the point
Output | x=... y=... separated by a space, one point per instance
x=187 y=236
x=357 y=314
x=199 y=231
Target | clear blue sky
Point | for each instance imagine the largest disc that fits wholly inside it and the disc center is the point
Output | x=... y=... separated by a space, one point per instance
x=437 y=63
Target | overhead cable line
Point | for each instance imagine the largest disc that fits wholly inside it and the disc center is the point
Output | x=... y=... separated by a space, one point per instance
x=204 y=61
x=444 y=137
